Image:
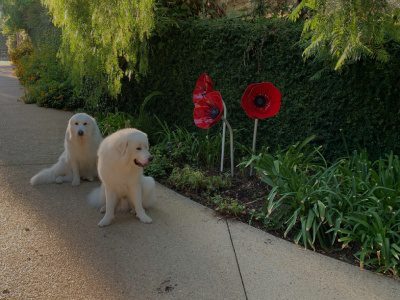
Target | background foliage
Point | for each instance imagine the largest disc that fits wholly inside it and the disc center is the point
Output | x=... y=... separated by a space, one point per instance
x=358 y=107
x=347 y=30
x=104 y=38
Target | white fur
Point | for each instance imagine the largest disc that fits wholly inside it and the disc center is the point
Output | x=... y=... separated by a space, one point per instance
x=122 y=156
x=79 y=159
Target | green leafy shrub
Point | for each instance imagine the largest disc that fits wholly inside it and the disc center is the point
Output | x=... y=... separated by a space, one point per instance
x=22 y=50
x=227 y=205
x=201 y=148
x=372 y=219
x=178 y=147
x=195 y=180
x=45 y=80
x=112 y=122
x=162 y=165
x=354 y=202
x=298 y=178
x=141 y=119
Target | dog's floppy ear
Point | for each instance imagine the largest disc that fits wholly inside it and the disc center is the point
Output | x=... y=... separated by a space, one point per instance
x=68 y=133
x=96 y=128
x=122 y=147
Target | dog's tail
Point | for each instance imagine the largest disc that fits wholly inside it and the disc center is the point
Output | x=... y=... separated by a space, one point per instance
x=97 y=197
x=148 y=185
x=49 y=175
x=44 y=176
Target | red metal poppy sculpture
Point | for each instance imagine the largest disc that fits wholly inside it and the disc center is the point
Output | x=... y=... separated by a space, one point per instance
x=260 y=101
x=209 y=108
x=204 y=85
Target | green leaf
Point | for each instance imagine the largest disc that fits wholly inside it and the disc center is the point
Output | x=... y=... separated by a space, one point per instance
x=321 y=209
x=291 y=222
x=310 y=219
x=396 y=247
x=297 y=237
x=304 y=232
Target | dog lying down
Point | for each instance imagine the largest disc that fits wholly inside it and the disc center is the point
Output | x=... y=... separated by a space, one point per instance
x=121 y=159
x=79 y=159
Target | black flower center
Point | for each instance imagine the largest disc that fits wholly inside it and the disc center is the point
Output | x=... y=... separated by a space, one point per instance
x=214 y=112
x=260 y=101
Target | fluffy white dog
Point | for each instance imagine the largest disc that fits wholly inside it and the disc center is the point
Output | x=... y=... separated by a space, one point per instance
x=79 y=159
x=122 y=157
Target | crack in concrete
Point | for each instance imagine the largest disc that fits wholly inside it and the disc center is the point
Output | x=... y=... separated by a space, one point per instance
x=237 y=261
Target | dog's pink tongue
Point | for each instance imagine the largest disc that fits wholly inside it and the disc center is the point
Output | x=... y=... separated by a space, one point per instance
x=140 y=164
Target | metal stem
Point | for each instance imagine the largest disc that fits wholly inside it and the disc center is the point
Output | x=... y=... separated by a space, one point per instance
x=254 y=142
x=223 y=140
x=231 y=144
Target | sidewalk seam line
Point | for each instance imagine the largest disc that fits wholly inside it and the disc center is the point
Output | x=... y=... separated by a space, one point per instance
x=237 y=261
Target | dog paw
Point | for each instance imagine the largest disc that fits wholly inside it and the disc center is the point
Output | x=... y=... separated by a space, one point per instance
x=103 y=209
x=104 y=222
x=76 y=182
x=59 y=179
x=145 y=219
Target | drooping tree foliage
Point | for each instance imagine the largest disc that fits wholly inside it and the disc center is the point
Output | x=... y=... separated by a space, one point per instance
x=11 y=12
x=347 y=30
x=104 y=38
x=25 y=18
x=96 y=45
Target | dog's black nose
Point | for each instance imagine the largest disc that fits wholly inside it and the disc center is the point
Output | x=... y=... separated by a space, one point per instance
x=151 y=158
x=80 y=132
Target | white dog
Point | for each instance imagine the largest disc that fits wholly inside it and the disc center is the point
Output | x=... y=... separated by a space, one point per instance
x=122 y=157
x=79 y=159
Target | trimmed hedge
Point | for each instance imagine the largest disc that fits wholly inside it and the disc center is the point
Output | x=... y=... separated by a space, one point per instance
x=359 y=106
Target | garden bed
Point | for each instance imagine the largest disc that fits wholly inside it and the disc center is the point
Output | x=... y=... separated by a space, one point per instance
x=250 y=194
x=348 y=209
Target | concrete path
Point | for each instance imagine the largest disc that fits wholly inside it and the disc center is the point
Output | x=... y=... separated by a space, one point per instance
x=51 y=247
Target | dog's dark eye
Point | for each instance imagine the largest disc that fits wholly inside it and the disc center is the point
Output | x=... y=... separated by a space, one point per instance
x=76 y=123
x=85 y=123
x=139 y=148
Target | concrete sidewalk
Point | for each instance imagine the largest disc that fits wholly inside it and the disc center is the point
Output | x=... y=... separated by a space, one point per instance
x=51 y=247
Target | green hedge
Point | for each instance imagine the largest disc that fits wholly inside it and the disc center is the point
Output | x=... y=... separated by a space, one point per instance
x=358 y=107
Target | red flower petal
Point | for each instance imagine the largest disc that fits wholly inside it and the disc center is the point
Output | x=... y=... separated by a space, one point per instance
x=204 y=85
x=247 y=105
x=267 y=91
x=208 y=110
